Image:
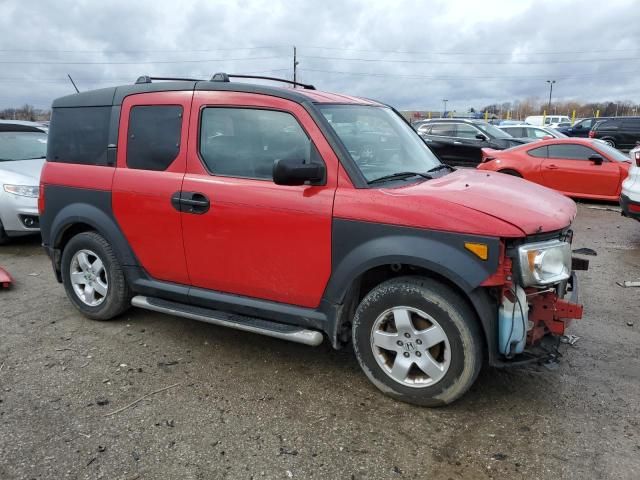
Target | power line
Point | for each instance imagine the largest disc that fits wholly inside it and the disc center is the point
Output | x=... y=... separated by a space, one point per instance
x=154 y=62
x=461 y=77
x=466 y=62
x=11 y=50
x=474 y=53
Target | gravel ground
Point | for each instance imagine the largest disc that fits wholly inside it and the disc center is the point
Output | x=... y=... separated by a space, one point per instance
x=243 y=406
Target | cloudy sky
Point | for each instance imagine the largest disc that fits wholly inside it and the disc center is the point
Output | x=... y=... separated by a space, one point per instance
x=410 y=54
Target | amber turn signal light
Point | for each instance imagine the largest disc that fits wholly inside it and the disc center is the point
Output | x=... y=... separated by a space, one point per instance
x=480 y=250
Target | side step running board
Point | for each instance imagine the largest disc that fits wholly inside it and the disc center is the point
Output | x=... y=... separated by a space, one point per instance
x=239 y=322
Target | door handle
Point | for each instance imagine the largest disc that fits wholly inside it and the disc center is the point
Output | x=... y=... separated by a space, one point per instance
x=552 y=167
x=190 y=202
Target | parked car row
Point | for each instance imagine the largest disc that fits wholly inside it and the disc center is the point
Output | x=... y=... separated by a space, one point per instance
x=460 y=141
x=23 y=146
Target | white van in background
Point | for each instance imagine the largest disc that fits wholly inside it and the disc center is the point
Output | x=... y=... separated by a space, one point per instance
x=549 y=120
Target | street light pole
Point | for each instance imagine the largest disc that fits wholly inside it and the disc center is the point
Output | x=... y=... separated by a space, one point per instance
x=444 y=102
x=550 y=82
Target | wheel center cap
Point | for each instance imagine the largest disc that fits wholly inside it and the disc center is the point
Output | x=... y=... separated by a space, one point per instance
x=409 y=346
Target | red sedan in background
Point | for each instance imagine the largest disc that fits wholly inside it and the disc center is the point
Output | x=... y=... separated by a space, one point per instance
x=576 y=167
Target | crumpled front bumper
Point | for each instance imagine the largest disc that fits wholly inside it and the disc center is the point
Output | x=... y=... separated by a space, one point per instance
x=551 y=313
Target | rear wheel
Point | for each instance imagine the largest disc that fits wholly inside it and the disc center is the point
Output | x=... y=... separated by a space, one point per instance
x=417 y=341
x=610 y=142
x=93 y=278
x=510 y=172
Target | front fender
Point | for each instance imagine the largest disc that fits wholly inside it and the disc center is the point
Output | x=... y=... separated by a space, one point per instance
x=360 y=246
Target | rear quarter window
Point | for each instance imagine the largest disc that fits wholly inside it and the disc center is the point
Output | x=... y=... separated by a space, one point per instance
x=540 y=152
x=153 y=138
x=79 y=135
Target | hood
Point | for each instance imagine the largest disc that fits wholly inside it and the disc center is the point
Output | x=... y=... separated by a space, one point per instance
x=527 y=206
x=21 y=172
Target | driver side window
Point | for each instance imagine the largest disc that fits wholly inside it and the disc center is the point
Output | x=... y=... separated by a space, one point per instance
x=467 y=131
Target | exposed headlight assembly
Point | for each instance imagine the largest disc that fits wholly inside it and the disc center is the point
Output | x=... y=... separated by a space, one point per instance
x=544 y=263
x=22 y=190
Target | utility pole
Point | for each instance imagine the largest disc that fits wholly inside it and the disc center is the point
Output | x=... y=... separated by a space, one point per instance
x=550 y=82
x=295 y=66
x=444 y=102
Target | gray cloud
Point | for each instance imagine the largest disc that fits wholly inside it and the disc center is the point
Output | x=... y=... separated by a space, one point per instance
x=472 y=53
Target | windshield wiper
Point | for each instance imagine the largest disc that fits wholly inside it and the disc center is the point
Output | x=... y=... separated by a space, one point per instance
x=400 y=176
x=440 y=167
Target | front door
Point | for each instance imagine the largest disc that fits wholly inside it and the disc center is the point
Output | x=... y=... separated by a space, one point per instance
x=151 y=161
x=568 y=169
x=256 y=239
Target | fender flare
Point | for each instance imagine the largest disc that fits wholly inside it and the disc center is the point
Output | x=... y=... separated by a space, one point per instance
x=98 y=220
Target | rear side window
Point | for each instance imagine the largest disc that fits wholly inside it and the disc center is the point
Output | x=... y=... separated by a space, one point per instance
x=153 y=139
x=79 y=135
x=607 y=125
x=443 y=129
x=571 y=152
x=244 y=142
x=517 y=132
x=540 y=152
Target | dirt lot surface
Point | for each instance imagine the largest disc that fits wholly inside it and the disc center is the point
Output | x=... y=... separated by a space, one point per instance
x=247 y=406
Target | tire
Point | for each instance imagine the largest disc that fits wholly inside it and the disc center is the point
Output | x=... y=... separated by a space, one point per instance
x=111 y=295
x=4 y=238
x=510 y=172
x=610 y=142
x=457 y=356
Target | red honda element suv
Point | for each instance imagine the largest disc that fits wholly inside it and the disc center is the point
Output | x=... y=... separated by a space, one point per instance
x=305 y=216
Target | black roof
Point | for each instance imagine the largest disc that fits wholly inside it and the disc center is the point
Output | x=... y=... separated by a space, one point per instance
x=115 y=95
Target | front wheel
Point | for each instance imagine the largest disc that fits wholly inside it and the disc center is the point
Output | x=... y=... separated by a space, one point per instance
x=93 y=278
x=418 y=341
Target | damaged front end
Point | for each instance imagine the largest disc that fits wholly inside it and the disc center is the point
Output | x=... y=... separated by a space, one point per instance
x=538 y=296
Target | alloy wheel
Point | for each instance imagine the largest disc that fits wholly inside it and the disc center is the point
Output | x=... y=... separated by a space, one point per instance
x=89 y=277
x=410 y=346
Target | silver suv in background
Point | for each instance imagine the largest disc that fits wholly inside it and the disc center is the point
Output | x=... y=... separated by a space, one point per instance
x=23 y=147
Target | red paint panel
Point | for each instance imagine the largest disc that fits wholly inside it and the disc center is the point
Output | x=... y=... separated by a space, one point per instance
x=259 y=239
x=91 y=177
x=142 y=198
x=465 y=201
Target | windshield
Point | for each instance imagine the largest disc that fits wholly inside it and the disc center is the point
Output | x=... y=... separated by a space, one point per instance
x=22 y=145
x=492 y=131
x=379 y=141
x=612 y=153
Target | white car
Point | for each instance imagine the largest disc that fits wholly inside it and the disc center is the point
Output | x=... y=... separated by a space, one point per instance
x=23 y=147
x=549 y=120
x=630 y=195
x=531 y=131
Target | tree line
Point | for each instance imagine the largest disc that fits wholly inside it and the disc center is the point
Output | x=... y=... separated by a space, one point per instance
x=26 y=112
x=520 y=109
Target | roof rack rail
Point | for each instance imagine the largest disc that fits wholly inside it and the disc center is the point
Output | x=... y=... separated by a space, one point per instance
x=224 y=77
x=147 y=79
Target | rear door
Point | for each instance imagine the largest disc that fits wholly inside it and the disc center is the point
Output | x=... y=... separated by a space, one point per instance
x=629 y=133
x=466 y=147
x=439 y=137
x=257 y=239
x=151 y=161
x=568 y=169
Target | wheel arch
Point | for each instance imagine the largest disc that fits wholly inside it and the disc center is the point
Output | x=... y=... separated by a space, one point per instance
x=77 y=218
x=360 y=266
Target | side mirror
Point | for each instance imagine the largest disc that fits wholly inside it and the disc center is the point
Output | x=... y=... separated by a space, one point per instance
x=480 y=136
x=596 y=159
x=295 y=172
